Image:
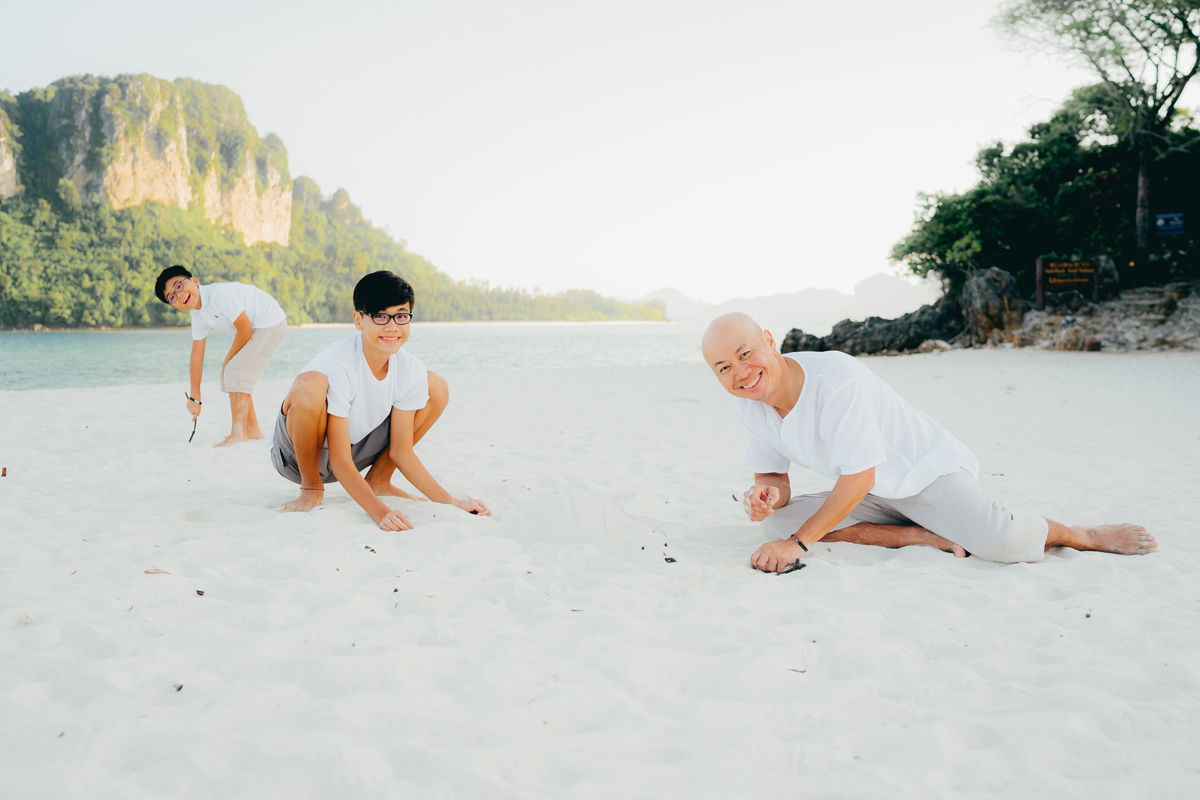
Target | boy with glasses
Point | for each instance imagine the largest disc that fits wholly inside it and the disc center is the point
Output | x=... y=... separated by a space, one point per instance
x=259 y=325
x=363 y=402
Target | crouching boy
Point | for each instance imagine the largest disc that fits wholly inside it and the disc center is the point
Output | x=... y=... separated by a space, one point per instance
x=259 y=325
x=360 y=403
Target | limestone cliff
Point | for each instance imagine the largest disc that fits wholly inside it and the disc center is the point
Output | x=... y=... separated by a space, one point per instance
x=10 y=182
x=136 y=138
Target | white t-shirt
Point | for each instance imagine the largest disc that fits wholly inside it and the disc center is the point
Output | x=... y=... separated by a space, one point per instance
x=355 y=394
x=222 y=303
x=848 y=420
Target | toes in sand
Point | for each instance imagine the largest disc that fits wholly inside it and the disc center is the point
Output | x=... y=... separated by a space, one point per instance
x=1124 y=538
x=307 y=501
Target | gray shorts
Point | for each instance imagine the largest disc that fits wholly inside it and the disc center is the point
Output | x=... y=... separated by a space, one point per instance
x=364 y=453
x=242 y=371
x=954 y=507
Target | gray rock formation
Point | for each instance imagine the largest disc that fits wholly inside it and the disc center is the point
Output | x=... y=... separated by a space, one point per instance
x=941 y=320
x=1149 y=318
x=990 y=303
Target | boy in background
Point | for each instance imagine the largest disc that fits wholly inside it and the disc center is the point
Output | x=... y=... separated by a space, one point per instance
x=259 y=324
x=363 y=402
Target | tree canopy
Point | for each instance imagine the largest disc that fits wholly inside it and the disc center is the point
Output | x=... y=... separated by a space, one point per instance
x=1066 y=191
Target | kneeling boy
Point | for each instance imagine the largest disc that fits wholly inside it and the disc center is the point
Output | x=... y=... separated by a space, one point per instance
x=364 y=403
x=260 y=325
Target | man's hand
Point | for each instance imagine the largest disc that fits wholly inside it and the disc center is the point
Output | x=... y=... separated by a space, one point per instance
x=759 y=501
x=193 y=409
x=393 y=520
x=776 y=556
x=472 y=507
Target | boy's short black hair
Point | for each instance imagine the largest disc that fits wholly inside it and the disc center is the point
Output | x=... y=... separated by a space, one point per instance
x=379 y=290
x=170 y=272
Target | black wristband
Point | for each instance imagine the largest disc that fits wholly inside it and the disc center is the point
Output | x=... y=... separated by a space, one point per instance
x=796 y=539
x=194 y=400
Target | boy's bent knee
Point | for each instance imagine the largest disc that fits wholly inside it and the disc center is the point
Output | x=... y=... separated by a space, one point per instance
x=308 y=392
x=439 y=389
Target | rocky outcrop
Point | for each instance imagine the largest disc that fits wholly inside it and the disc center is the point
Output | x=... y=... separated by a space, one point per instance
x=10 y=182
x=942 y=320
x=144 y=153
x=265 y=217
x=1149 y=318
x=136 y=138
x=990 y=303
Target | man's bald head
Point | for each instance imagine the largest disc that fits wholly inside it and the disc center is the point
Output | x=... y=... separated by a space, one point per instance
x=721 y=333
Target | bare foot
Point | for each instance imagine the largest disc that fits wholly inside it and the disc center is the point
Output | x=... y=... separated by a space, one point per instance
x=255 y=433
x=307 y=501
x=389 y=489
x=1125 y=539
x=927 y=538
x=230 y=440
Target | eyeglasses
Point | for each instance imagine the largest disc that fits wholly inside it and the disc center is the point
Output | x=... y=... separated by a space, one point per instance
x=402 y=318
x=174 y=292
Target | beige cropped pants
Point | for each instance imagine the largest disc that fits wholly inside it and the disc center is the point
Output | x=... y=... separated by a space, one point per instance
x=954 y=507
x=242 y=371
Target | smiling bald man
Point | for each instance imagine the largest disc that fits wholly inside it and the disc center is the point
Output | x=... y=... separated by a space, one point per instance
x=900 y=478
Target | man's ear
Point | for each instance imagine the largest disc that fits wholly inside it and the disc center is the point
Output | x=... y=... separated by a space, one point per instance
x=769 y=339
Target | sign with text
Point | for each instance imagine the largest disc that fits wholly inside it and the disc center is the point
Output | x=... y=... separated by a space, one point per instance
x=1066 y=276
x=1169 y=224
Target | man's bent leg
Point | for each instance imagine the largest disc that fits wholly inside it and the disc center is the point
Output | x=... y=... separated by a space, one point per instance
x=307 y=418
x=380 y=476
x=870 y=523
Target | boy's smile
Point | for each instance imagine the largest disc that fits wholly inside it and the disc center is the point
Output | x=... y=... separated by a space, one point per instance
x=183 y=293
x=387 y=338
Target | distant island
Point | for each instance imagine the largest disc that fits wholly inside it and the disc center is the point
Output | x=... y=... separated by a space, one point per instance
x=104 y=182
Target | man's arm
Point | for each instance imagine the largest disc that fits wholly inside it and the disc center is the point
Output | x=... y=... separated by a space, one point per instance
x=410 y=466
x=848 y=492
x=244 y=330
x=771 y=490
x=337 y=433
x=195 y=373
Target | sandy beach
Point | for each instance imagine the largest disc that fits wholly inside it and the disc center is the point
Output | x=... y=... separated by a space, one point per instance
x=166 y=632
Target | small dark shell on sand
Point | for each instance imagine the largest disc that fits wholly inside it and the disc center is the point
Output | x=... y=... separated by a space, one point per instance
x=669 y=560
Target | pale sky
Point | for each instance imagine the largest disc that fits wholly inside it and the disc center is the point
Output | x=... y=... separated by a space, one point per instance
x=721 y=148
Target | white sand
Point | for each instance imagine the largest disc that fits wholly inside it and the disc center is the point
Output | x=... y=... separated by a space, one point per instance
x=545 y=653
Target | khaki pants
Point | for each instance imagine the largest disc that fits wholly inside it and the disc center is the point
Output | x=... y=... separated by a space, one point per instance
x=242 y=371
x=953 y=506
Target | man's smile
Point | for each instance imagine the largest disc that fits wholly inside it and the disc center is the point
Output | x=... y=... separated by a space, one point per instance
x=750 y=387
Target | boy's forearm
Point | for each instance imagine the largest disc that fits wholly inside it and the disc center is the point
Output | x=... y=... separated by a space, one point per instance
x=239 y=341
x=195 y=373
x=356 y=486
x=411 y=468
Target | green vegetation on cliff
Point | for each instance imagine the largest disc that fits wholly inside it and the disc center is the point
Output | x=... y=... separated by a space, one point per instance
x=96 y=267
x=68 y=258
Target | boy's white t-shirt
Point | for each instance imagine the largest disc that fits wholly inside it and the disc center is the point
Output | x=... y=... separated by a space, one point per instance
x=848 y=420
x=355 y=394
x=222 y=303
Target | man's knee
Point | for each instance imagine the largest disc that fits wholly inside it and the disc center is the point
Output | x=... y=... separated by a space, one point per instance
x=439 y=390
x=308 y=393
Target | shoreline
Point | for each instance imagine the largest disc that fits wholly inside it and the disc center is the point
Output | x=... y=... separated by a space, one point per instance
x=322 y=325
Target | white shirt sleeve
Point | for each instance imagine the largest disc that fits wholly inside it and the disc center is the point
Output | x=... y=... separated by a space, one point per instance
x=341 y=389
x=199 y=328
x=230 y=298
x=761 y=455
x=414 y=394
x=850 y=426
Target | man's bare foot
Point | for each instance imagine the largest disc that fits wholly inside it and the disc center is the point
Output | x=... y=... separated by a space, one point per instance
x=307 y=501
x=927 y=538
x=1124 y=538
x=230 y=440
x=389 y=489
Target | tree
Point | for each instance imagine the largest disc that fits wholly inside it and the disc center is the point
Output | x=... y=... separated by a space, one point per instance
x=1144 y=51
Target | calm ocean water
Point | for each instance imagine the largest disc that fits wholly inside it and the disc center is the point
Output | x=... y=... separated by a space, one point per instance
x=56 y=359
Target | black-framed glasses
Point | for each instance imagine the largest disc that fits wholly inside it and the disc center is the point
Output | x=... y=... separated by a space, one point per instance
x=403 y=318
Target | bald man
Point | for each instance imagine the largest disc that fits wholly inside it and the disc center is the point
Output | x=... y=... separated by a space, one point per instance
x=900 y=478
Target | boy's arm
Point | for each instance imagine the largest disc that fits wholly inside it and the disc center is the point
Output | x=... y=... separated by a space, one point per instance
x=244 y=331
x=405 y=459
x=337 y=432
x=195 y=372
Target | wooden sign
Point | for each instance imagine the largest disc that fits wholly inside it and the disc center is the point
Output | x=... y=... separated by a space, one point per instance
x=1066 y=276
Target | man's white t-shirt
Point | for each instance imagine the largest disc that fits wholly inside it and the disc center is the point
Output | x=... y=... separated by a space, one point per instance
x=848 y=420
x=354 y=392
x=222 y=303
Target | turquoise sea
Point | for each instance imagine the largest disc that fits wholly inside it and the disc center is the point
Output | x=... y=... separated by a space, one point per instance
x=59 y=359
